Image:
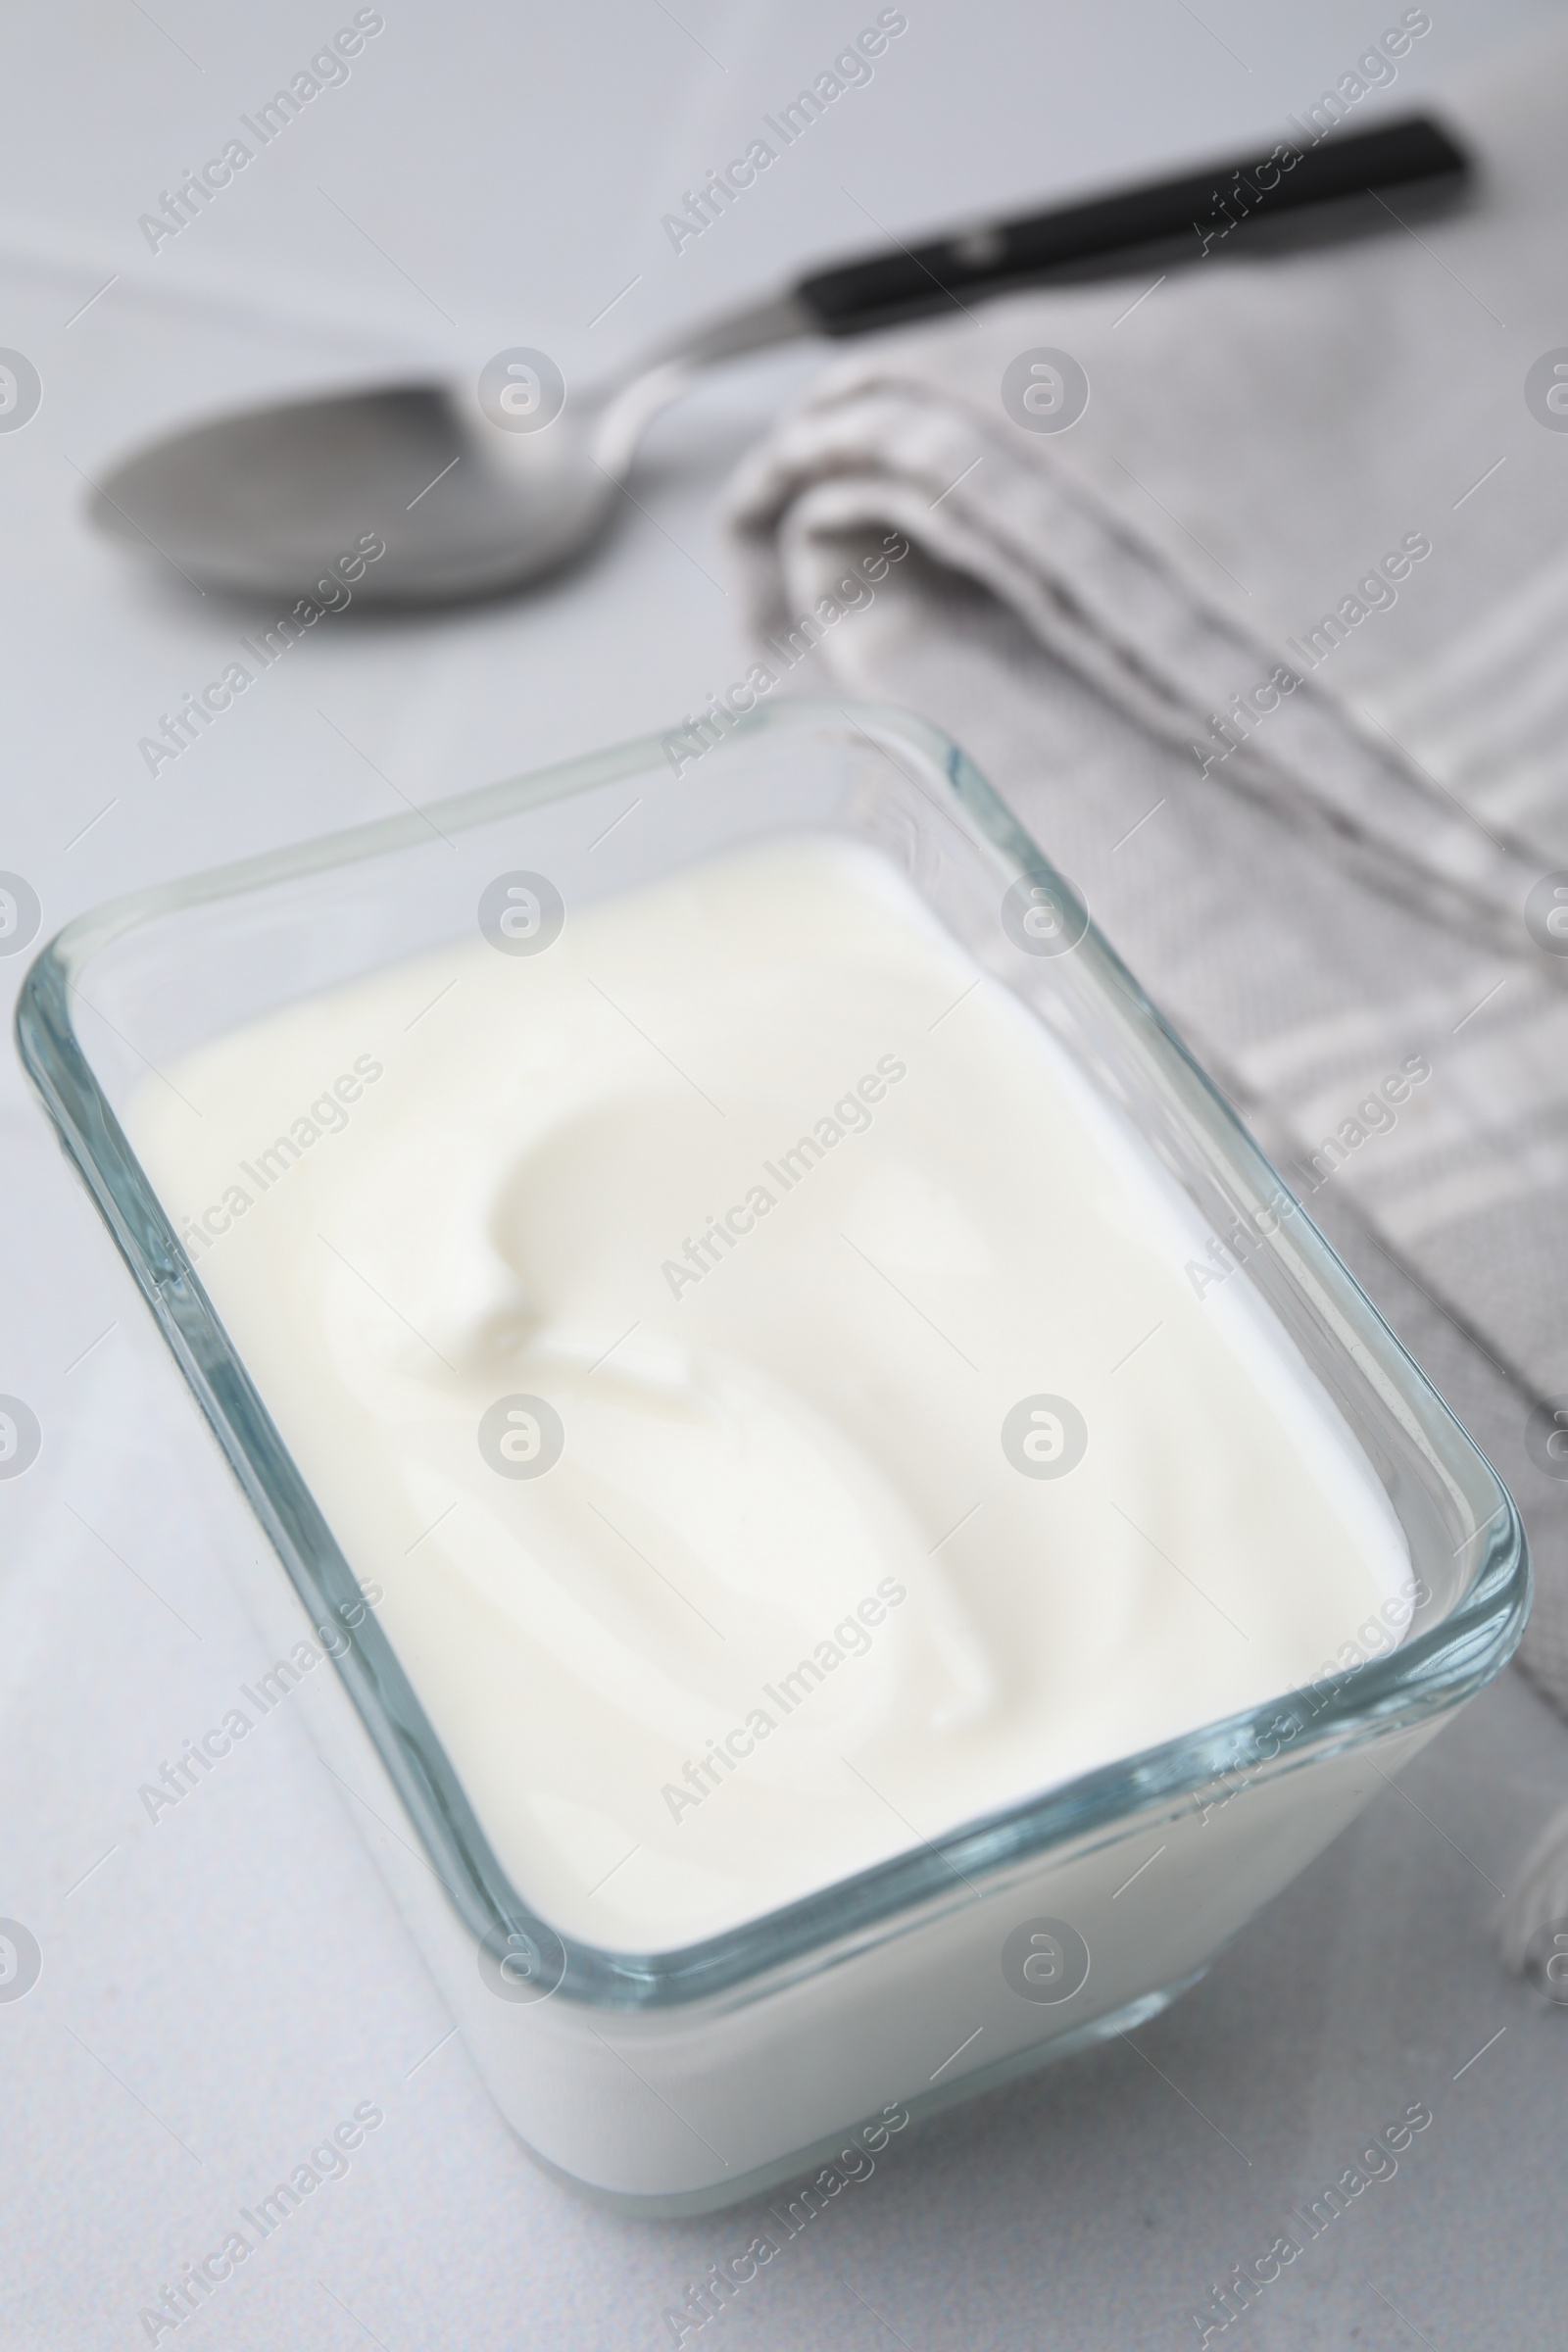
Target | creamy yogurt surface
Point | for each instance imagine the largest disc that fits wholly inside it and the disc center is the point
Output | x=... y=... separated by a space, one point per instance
x=765 y=1380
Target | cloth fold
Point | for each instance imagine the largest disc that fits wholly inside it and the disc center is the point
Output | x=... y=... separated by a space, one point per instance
x=1263 y=647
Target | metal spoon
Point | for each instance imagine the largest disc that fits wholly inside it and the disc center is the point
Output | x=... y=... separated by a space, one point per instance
x=471 y=491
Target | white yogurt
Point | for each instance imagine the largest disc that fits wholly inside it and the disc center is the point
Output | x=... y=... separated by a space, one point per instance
x=781 y=1209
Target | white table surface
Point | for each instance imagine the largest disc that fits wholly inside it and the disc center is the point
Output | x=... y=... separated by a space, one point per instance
x=220 y=1987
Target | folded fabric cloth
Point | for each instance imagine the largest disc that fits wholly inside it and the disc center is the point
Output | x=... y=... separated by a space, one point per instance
x=1263 y=646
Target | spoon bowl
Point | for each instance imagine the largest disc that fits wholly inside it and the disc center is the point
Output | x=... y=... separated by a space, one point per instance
x=268 y=501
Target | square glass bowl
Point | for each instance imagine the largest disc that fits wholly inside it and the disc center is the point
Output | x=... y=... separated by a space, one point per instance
x=678 y=2081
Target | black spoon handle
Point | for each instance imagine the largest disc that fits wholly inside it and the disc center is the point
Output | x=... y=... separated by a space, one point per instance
x=1201 y=207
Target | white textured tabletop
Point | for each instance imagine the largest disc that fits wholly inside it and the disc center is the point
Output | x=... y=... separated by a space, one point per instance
x=220 y=1987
